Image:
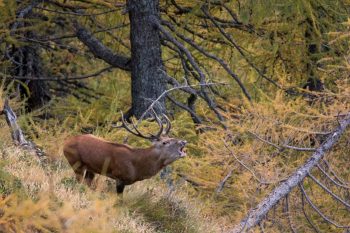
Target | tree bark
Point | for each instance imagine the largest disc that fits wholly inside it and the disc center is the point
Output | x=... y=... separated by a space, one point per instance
x=256 y=215
x=147 y=70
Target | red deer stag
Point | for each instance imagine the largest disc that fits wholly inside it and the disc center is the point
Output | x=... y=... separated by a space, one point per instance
x=88 y=155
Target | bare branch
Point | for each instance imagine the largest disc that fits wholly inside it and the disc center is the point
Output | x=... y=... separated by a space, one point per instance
x=100 y=50
x=211 y=103
x=318 y=211
x=223 y=182
x=75 y=13
x=334 y=174
x=306 y=216
x=150 y=107
x=288 y=215
x=336 y=197
x=193 y=114
x=331 y=179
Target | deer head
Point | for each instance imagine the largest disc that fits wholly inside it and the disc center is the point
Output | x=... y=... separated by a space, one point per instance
x=170 y=148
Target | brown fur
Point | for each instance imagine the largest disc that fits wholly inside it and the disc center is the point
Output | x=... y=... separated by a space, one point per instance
x=89 y=154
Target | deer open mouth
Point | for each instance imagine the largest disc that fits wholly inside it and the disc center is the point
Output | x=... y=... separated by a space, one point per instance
x=182 y=152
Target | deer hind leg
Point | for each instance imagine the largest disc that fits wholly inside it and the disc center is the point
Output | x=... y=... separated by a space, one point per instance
x=82 y=174
x=78 y=169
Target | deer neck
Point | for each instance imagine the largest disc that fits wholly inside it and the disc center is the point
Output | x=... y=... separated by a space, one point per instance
x=149 y=162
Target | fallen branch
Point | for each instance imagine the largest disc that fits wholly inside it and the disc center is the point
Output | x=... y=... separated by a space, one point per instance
x=17 y=134
x=223 y=182
x=256 y=215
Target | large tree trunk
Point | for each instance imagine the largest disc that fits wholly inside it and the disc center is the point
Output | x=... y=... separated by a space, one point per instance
x=147 y=70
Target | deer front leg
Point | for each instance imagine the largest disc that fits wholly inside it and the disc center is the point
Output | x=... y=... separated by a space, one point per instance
x=120 y=186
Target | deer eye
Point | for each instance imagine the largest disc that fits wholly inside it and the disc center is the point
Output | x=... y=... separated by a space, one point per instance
x=164 y=143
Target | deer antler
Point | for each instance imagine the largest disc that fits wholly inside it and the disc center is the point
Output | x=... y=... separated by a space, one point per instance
x=133 y=129
x=168 y=125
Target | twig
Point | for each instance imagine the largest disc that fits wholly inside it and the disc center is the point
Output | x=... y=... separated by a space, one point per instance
x=334 y=174
x=229 y=38
x=75 y=13
x=211 y=103
x=192 y=182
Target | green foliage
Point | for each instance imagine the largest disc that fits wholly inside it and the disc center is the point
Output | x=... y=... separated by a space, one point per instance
x=10 y=184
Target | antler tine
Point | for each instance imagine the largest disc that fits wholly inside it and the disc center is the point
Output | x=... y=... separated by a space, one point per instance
x=168 y=124
x=137 y=133
x=160 y=124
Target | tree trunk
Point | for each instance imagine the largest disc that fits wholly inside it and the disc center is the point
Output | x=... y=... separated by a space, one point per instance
x=147 y=70
x=36 y=91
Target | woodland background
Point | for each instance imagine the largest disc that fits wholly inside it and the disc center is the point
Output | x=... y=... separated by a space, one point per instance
x=254 y=86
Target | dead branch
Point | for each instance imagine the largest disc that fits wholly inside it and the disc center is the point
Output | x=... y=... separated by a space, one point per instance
x=292 y=228
x=334 y=174
x=223 y=182
x=331 y=179
x=192 y=182
x=256 y=215
x=336 y=197
x=17 y=134
x=307 y=216
x=86 y=76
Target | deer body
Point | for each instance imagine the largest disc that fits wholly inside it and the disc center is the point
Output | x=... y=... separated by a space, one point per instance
x=88 y=155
